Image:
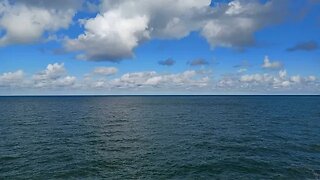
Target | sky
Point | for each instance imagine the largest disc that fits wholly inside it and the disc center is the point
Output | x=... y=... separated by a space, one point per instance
x=105 y=47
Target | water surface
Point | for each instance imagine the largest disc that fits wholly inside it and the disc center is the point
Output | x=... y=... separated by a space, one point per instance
x=160 y=137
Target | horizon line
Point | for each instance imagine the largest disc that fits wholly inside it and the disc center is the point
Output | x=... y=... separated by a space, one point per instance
x=105 y=95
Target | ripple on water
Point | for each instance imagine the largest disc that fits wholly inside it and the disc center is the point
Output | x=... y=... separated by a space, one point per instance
x=151 y=137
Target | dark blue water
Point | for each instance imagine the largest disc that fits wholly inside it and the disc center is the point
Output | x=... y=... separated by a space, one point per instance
x=160 y=137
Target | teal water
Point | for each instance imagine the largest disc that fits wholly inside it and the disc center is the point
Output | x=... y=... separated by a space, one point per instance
x=160 y=137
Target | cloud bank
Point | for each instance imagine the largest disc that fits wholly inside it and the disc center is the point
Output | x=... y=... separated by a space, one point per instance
x=121 y=26
x=55 y=77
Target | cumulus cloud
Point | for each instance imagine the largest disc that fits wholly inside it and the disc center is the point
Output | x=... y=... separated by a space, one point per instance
x=296 y=79
x=234 y=24
x=277 y=81
x=53 y=76
x=187 y=79
x=9 y=79
x=26 y=21
x=150 y=80
x=106 y=71
x=53 y=71
x=167 y=18
x=109 y=36
x=255 y=78
x=199 y=62
x=121 y=26
x=228 y=81
x=267 y=64
x=283 y=74
x=311 y=78
x=304 y=46
x=267 y=83
x=167 y=62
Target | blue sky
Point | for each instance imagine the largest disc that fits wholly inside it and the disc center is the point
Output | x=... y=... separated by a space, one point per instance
x=163 y=47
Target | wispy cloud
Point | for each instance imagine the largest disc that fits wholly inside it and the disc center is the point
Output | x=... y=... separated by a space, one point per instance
x=198 y=62
x=304 y=46
x=167 y=62
x=243 y=66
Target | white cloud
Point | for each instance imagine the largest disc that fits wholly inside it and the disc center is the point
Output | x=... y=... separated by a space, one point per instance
x=186 y=79
x=311 y=78
x=65 y=81
x=278 y=81
x=11 y=78
x=106 y=71
x=258 y=78
x=53 y=71
x=151 y=80
x=53 y=76
x=234 y=24
x=26 y=23
x=241 y=70
x=109 y=36
x=267 y=64
x=227 y=82
x=167 y=18
x=270 y=82
x=296 y=79
x=121 y=26
x=283 y=74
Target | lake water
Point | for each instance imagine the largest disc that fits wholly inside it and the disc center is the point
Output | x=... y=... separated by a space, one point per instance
x=160 y=137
